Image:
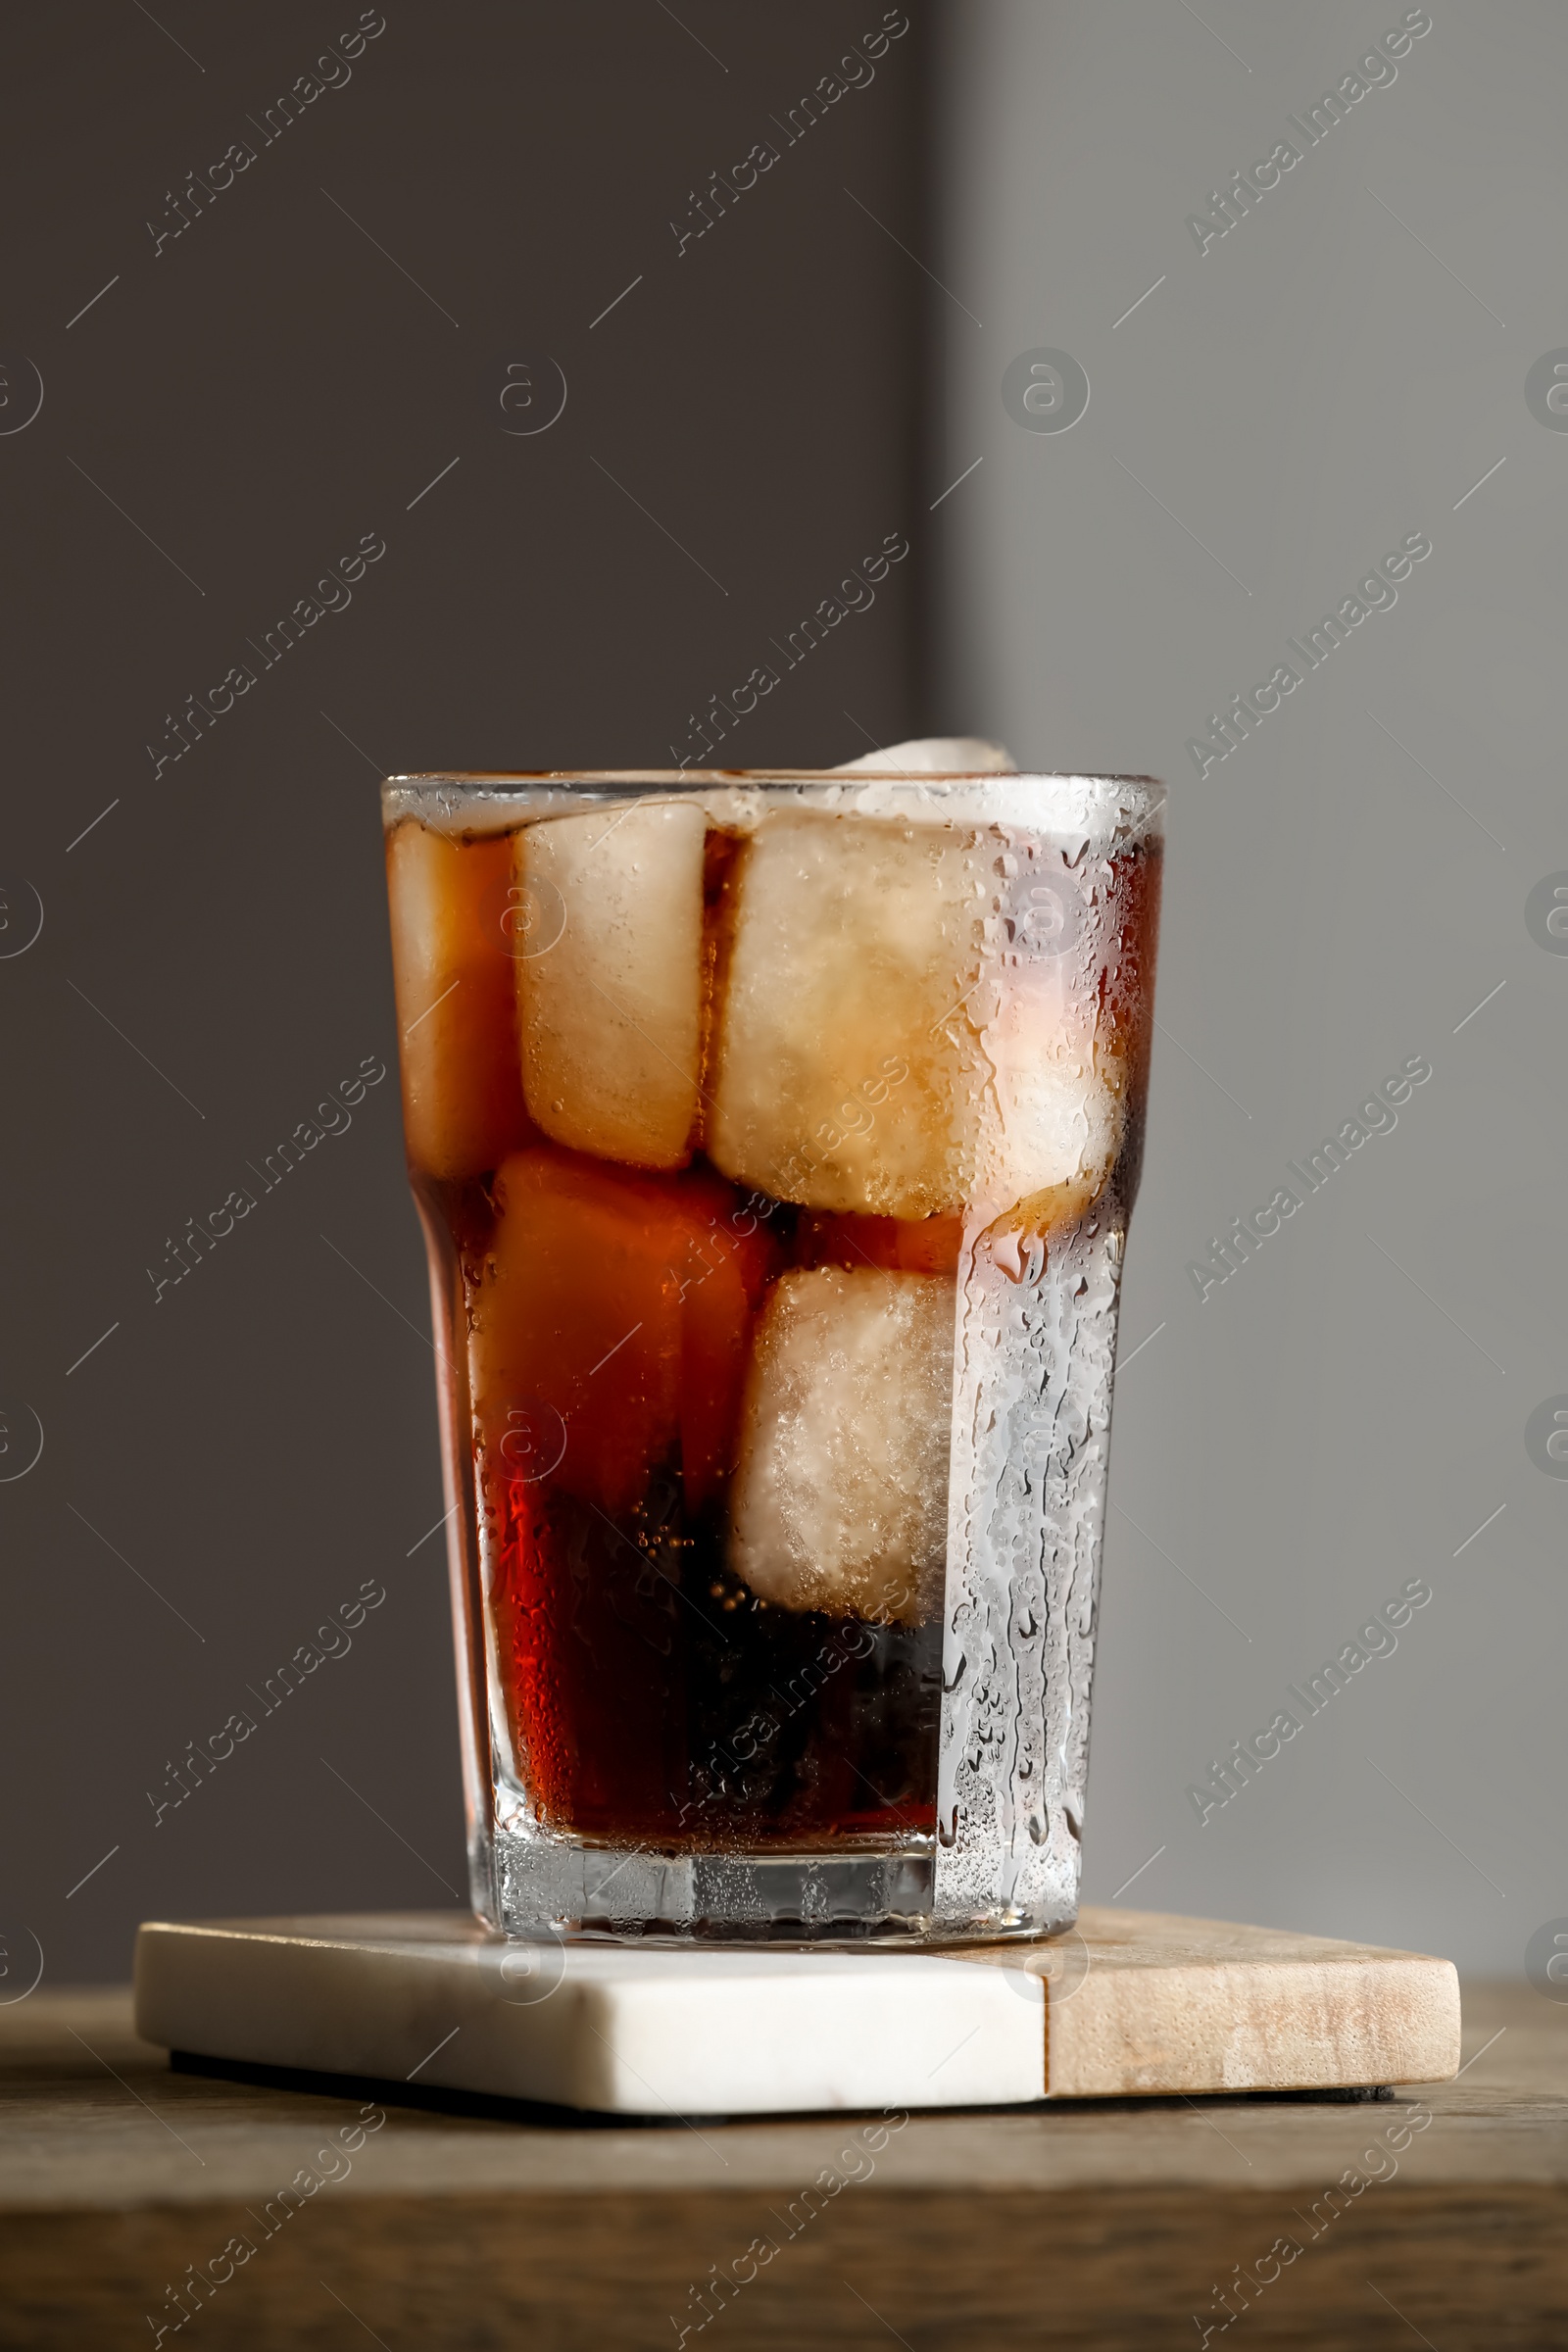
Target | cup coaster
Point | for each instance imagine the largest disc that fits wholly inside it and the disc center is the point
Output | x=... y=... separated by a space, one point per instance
x=1128 y=2004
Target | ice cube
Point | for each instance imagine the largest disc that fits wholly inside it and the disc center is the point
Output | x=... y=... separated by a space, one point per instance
x=611 y=998
x=608 y=1329
x=462 y=1096
x=884 y=1048
x=840 y=1501
x=835 y=1076
x=1049 y=1107
x=934 y=756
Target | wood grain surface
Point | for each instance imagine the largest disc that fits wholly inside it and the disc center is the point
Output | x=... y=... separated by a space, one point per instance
x=1437 y=2214
x=1165 y=2003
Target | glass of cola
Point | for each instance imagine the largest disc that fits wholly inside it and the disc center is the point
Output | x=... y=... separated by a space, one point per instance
x=775 y=1137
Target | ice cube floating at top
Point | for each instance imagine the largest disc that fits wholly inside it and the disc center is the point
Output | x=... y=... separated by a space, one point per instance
x=726 y=1098
x=662 y=977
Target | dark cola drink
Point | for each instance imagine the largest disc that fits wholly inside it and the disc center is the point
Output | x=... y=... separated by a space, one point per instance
x=749 y=1122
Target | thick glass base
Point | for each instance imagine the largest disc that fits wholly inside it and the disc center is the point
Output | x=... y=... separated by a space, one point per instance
x=555 y=1887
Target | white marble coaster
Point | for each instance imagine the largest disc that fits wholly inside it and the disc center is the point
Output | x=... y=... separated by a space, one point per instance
x=1129 y=2003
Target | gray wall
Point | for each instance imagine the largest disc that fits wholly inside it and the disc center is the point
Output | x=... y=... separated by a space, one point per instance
x=1343 y=891
x=239 y=1456
x=249 y=398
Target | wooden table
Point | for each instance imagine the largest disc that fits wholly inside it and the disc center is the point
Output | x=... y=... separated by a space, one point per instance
x=1090 y=2225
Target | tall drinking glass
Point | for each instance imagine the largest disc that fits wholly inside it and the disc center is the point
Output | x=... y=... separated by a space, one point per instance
x=775 y=1137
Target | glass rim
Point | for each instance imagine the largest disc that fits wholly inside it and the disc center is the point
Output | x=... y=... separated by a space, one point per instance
x=675 y=779
x=1111 y=810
